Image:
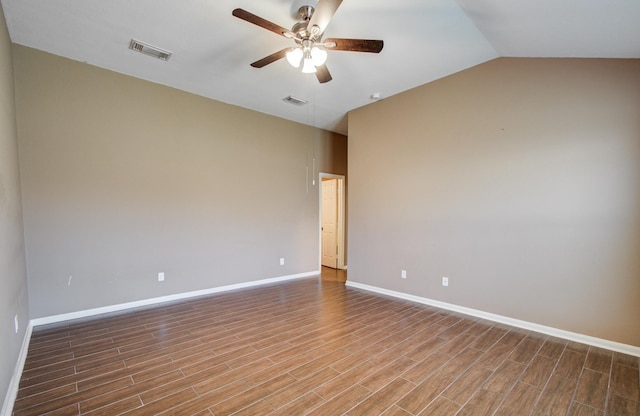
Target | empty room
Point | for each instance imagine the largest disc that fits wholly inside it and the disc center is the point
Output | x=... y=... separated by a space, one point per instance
x=320 y=207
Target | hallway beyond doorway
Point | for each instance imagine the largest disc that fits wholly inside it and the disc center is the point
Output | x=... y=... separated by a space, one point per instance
x=333 y=275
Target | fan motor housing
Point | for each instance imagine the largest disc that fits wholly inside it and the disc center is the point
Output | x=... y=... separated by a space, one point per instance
x=300 y=28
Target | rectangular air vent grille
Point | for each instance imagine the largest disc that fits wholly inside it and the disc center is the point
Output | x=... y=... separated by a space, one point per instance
x=150 y=50
x=295 y=100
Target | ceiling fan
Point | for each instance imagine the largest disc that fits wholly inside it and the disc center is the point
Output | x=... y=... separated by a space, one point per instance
x=310 y=49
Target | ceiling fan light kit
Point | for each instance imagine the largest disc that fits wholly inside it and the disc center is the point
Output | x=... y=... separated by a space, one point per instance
x=311 y=58
x=294 y=57
x=310 y=50
x=319 y=56
x=308 y=67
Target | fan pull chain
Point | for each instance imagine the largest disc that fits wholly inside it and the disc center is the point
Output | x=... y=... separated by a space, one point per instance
x=313 y=87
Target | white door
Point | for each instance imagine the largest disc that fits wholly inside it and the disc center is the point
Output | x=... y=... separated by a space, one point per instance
x=329 y=223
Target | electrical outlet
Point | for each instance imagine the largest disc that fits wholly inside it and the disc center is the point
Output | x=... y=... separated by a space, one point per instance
x=403 y=274
x=445 y=281
x=161 y=277
x=281 y=261
x=15 y=323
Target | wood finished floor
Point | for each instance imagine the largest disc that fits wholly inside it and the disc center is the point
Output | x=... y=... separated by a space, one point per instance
x=316 y=347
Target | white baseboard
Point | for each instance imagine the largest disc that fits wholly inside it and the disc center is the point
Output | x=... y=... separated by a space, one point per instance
x=12 y=391
x=170 y=298
x=560 y=333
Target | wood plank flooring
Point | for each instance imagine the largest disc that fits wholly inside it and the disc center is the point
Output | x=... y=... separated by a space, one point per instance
x=316 y=347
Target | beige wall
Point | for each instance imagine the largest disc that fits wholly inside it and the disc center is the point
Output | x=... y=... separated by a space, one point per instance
x=13 y=275
x=518 y=179
x=123 y=179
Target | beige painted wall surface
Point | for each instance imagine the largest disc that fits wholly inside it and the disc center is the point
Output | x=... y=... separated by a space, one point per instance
x=518 y=179
x=13 y=274
x=123 y=179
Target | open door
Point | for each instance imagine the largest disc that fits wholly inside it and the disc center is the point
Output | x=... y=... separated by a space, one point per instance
x=332 y=224
x=329 y=227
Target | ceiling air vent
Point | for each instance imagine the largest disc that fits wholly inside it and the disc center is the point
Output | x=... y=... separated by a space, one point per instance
x=294 y=100
x=147 y=49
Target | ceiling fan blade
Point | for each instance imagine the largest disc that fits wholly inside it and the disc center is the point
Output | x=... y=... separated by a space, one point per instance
x=270 y=59
x=354 y=45
x=263 y=23
x=322 y=73
x=322 y=16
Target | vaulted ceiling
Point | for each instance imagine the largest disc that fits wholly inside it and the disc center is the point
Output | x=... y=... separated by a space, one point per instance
x=423 y=40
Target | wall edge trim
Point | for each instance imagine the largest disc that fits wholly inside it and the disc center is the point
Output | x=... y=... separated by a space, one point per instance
x=163 y=299
x=560 y=333
x=14 y=383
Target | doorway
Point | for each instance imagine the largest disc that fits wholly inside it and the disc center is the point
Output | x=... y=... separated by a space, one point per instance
x=332 y=221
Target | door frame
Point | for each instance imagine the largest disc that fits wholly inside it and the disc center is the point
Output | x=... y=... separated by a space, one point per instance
x=341 y=216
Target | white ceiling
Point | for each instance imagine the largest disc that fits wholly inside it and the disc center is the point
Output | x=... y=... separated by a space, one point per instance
x=423 y=40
